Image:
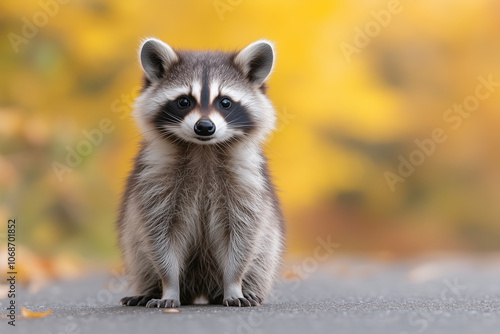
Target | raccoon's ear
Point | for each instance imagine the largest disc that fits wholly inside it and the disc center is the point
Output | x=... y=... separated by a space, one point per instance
x=156 y=58
x=256 y=61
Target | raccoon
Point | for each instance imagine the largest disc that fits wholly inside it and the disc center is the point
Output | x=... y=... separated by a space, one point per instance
x=200 y=217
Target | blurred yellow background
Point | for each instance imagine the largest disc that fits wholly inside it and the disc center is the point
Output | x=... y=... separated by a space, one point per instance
x=356 y=83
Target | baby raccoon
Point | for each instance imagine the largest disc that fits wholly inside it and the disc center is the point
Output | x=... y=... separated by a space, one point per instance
x=200 y=216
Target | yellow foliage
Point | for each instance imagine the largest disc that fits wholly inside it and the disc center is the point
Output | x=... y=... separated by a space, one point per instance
x=343 y=122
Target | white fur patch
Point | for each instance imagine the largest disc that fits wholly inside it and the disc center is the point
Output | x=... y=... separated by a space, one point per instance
x=196 y=91
x=234 y=94
x=175 y=92
x=214 y=90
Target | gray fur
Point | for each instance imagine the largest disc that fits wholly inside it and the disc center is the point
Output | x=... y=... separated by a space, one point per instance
x=201 y=219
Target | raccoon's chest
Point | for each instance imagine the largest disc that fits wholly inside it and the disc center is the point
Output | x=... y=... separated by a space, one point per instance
x=203 y=188
x=203 y=191
x=219 y=190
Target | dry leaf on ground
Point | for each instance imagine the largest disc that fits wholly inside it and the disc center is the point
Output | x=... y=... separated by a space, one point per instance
x=171 y=310
x=31 y=314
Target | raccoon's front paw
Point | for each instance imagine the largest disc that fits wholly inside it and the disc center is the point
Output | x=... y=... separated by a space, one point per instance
x=163 y=303
x=253 y=298
x=246 y=300
x=136 y=300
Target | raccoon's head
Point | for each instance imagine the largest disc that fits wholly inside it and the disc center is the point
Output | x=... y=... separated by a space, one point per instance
x=205 y=97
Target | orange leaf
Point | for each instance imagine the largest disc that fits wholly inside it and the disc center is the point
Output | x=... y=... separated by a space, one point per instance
x=171 y=310
x=30 y=314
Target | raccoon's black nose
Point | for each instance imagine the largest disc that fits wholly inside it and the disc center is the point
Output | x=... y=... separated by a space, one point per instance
x=204 y=127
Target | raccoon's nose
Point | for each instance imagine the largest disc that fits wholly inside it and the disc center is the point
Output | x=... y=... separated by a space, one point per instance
x=204 y=127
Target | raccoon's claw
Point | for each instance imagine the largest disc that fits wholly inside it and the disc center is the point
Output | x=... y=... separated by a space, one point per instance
x=253 y=298
x=163 y=303
x=136 y=300
x=237 y=302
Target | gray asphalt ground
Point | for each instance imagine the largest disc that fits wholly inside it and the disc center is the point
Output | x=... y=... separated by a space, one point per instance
x=346 y=295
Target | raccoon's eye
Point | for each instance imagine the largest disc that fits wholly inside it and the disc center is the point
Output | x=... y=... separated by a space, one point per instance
x=225 y=103
x=183 y=102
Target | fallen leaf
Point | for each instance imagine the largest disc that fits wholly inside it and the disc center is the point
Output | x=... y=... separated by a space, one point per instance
x=171 y=310
x=31 y=314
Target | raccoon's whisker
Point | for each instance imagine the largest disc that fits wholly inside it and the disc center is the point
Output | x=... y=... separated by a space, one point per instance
x=171 y=115
x=142 y=134
x=161 y=134
x=175 y=118
x=235 y=124
x=152 y=130
x=240 y=125
x=239 y=122
x=152 y=140
x=164 y=135
x=229 y=113
x=234 y=139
